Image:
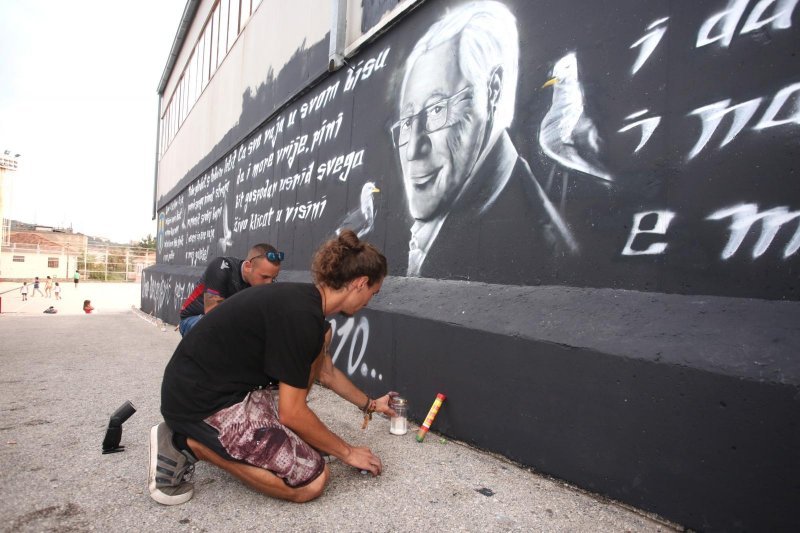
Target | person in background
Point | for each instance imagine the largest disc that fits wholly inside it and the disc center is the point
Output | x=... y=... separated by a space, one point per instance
x=36 y=288
x=224 y=277
x=217 y=396
x=76 y=278
x=48 y=287
x=24 y=291
x=87 y=306
x=57 y=291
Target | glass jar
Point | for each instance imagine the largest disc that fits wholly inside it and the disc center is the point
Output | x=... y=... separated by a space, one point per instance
x=398 y=425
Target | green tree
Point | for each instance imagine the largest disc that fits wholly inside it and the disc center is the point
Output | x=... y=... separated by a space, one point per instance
x=148 y=242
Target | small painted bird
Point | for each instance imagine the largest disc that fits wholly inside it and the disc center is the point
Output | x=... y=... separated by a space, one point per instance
x=361 y=220
x=567 y=134
x=226 y=241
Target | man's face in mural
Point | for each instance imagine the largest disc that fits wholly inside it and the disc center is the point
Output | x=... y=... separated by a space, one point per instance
x=438 y=138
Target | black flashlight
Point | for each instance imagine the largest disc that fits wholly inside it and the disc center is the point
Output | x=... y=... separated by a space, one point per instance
x=114 y=431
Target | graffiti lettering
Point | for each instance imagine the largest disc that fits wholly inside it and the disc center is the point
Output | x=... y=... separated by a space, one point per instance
x=196 y=257
x=206 y=234
x=301 y=178
x=360 y=333
x=174 y=243
x=174 y=218
x=340 y=166
x=775 y=107
x=295 y=147
x=318 y=102
x=262 y=165
x=648 y=126
x=711 y=116
x=261 y=220
x=326 y=132
x=743 y=217
x=201 y=201
x=229 y=163
x=256 y=195
x=239 y=225
x=309 y=210
x=271 y=133
x=726 y=21
x=156 y=291
x=662 y=221
x=364 y=69
x=649 y=43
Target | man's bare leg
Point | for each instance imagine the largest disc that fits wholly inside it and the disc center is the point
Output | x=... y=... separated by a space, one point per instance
x=261 y=480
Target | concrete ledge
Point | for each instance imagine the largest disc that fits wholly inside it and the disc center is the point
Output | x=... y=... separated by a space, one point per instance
x=747 y=338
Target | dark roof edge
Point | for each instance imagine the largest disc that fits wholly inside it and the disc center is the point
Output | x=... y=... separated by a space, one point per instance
x=180 y=36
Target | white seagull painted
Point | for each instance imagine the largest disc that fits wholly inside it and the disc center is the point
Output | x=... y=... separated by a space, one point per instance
x=567 y=134
x=361 y=220
x=226 y=241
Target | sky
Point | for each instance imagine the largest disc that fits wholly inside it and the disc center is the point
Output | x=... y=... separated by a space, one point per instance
x=78 y=102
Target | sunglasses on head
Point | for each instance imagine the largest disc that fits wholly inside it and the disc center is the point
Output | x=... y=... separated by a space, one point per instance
x=275 y=256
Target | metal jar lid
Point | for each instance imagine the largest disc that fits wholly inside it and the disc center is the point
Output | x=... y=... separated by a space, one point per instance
x=398 y=401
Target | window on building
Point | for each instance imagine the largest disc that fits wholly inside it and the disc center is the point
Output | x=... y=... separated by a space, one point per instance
x=52 y=262
x=19 y=259
x=214 y=39
x=233 y=27
x=226 y=21
x=223 y=29
x=246 y=6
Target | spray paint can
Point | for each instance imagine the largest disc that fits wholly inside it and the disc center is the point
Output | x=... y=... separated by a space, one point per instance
x=426 y=426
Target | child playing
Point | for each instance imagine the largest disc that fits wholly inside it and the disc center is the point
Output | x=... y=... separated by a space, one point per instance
x=87 y=306
x=24 y=291
x=57 y=291
x=36 y=288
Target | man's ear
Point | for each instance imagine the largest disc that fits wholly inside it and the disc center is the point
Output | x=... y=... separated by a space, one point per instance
x=495 y=86
x=361 y=283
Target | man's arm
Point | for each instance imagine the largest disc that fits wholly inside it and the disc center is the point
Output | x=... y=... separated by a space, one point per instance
x=210 y=301
x=336 y=380
x=296 y=415
x=217 y=278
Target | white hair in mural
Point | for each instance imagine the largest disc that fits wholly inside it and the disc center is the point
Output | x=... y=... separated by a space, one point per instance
x=487 y=33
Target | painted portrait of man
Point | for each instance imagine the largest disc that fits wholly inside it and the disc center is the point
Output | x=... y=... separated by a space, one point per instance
x=479 y=213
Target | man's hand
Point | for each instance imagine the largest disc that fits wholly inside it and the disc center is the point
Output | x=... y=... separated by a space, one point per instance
x=362 y=458
x=382 y=404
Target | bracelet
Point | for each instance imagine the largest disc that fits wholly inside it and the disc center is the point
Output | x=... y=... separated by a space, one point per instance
x=366 y=408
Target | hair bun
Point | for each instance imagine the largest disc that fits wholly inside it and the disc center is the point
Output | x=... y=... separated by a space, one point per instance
x=349 y=239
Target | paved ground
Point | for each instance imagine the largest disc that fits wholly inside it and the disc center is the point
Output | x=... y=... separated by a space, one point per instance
x=62 y=375
x=105 y=297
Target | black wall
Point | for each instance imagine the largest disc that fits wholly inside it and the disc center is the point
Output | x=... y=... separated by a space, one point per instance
x=646 y=357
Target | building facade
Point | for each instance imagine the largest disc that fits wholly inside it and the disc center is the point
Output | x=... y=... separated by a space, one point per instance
x=591 y=219
x=41 y=252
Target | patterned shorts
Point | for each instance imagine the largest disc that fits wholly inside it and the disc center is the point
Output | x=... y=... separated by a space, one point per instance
x=250 y=431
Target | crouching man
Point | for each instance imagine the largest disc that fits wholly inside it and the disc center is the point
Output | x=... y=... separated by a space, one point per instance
x=218 y=393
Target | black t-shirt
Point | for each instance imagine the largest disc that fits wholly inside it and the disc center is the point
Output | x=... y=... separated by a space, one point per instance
x=222 y=277
x=265 y=334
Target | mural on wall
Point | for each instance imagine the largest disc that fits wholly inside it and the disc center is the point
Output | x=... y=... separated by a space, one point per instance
x=651 y=147
x=459 y=165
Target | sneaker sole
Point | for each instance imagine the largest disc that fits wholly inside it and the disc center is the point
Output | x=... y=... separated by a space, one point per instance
x=155 y=492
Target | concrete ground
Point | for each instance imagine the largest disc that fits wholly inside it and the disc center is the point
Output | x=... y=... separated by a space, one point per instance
x=62 y=375
x=105 y=297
